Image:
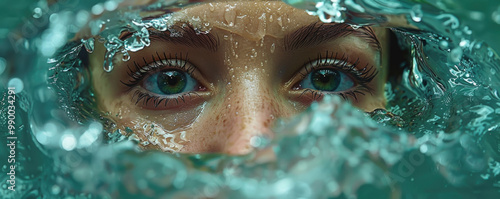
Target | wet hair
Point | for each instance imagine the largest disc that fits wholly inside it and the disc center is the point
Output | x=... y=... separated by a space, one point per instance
x=70 y=78
x=399 y=58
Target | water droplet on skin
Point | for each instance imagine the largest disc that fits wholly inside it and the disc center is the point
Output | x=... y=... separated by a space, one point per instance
x=254 y=53
x=261 y=29
x=212 y=8
x=89 y=44
x=416 y=13
x=280 y=23
x=126 y=56
x=195 y=18
x=108 y=61
x=230 y=15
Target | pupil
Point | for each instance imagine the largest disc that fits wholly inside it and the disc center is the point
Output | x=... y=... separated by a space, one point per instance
x=171 y=82
x=325 y=80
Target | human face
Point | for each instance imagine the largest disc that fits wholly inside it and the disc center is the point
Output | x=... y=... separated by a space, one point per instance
x=260 y=61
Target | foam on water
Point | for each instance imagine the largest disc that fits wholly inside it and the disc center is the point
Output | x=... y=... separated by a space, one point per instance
x=439 y=136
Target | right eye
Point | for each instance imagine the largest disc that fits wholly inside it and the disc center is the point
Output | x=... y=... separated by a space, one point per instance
x=159 y=82
x=170 y=82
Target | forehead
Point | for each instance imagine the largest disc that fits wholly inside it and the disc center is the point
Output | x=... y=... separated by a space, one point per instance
x=250 y=19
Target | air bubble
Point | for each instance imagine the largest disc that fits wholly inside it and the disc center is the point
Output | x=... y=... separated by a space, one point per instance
x=490 y=54
x=68 y=142
x=110 y=5
x=37 y=12
x=456 y=54
x=55 y=189
x=464 y=43
x=416 y=13
x=17 y=84
x=495 y=16
x=255 y=141
x=273 y=47
x=97 y=9
x=443 y=45
x=329 y=11
x=3 y=65
x=451 y=20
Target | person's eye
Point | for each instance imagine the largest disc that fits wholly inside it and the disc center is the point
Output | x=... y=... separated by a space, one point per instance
x=327 y=79
x=333 y=75
x=164 y=83
x=170 y=82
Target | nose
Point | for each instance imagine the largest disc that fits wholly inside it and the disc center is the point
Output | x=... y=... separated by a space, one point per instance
x=251 y=107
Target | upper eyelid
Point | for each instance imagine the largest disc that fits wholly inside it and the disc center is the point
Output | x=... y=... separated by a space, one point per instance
x=345 y=65
x=361 y=77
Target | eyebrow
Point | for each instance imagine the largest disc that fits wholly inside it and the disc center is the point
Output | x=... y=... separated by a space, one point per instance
x=317 y=33
x=184 y=34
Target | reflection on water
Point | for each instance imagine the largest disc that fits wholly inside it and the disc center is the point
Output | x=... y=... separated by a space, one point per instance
x=438 y=138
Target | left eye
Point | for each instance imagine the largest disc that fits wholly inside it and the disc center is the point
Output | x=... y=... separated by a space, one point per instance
x=170 y=82
x=329 y=80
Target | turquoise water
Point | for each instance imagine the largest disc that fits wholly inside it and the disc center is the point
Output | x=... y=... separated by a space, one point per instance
x=437 y=138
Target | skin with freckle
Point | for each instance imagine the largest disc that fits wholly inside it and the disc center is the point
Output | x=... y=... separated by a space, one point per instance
x=248 y=82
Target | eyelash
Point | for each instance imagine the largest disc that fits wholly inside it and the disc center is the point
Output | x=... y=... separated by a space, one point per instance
x=362 y=77
x=140 y=72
